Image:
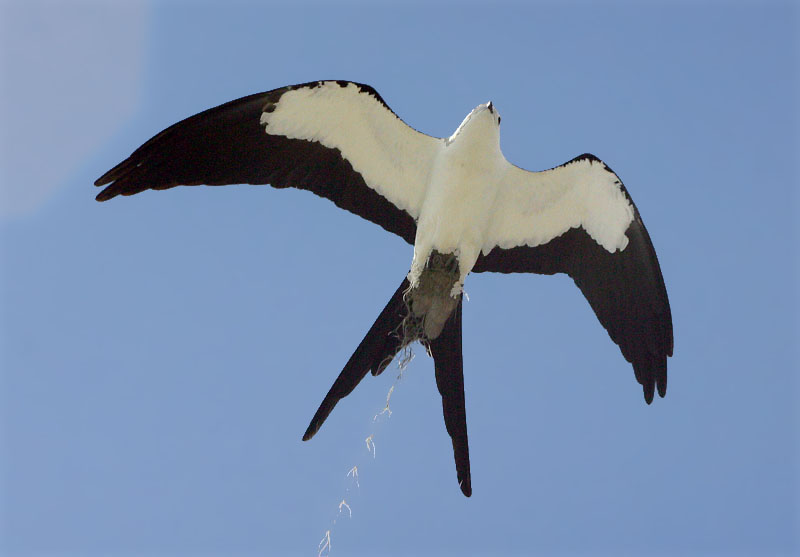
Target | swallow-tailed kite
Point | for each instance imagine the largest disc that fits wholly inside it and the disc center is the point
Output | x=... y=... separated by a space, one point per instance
x=456 y=200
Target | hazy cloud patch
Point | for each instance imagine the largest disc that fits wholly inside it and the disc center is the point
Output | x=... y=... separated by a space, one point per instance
x=70 y=73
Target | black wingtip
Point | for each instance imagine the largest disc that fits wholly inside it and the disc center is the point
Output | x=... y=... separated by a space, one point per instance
x=652 y=376
x=466 y=487
x=103 y=196
x=649 y=392
x=661 y=378
x=110 y=190
x=112 y=174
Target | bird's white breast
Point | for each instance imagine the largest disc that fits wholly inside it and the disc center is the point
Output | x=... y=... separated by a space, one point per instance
x=455 y=212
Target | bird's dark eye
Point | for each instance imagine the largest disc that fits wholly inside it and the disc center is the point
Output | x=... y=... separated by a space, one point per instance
x=498 y=119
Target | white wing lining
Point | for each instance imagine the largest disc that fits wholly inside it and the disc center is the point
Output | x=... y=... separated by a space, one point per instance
x=394 y=159
x=532 y=208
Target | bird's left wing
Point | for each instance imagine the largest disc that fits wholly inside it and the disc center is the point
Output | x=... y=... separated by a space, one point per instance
x=578 y=219
x=337 y=139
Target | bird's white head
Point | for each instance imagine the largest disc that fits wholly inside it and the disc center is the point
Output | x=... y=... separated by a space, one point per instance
x=489 y=107
x=483 y=122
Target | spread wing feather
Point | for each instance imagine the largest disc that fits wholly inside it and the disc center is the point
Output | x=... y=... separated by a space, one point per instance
x=337 y=139
x=609 y=256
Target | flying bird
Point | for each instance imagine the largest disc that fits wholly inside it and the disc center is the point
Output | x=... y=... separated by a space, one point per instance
x=457 y=200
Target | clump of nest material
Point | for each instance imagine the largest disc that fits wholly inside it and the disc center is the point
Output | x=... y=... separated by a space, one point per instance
x=429 y=304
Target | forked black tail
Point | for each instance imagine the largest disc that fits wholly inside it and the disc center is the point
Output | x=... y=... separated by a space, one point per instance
x=380 y=345
x=449 y=364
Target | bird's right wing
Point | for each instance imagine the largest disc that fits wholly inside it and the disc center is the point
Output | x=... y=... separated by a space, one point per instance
x=578 y=219
x=337 y=139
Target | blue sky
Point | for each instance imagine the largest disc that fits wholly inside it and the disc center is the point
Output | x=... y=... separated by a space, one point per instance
x=163 y=354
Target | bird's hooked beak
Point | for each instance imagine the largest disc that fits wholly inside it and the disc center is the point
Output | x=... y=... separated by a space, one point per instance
x=490 y=108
